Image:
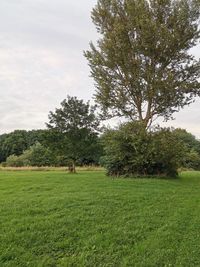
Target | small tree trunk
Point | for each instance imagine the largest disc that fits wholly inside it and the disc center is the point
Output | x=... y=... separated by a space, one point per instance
x=72 y=167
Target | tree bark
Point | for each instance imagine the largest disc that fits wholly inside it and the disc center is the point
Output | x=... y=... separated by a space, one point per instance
x=72 y=167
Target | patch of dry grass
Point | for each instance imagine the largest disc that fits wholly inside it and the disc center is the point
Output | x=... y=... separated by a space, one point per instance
x=29 y=168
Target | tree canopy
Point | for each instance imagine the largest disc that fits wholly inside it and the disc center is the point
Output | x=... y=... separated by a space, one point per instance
x=142 y=63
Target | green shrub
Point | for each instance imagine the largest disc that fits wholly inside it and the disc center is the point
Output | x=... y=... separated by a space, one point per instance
x=36 y=155
x=14 y=161
x=40 y=156
x=131 y=150
x=191 y=160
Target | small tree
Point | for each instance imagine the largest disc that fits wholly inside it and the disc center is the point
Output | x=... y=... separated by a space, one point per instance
x=73 y=130
x=142 y=64
x=39 y=155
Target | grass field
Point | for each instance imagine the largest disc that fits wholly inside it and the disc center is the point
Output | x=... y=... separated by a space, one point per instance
x=88 y=219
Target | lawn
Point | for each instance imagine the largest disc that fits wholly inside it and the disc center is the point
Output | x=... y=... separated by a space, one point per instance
x=57 y=219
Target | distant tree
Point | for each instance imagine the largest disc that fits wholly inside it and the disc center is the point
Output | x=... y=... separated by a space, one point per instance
x=191 y=142
x=142 y=64
x=40 y=155
x=3 y=155
x=37 y=155
x=191 y=157
x=73 y=130
x=36 y=136
x=191 y=160
x=16 y=142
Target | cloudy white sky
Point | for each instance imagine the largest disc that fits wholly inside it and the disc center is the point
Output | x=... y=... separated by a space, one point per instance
x=41 y=61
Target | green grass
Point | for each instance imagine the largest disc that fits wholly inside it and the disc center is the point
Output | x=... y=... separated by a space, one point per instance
x=88 y=219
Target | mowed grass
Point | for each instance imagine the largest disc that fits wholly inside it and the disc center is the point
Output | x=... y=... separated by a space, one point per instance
x=88 y=219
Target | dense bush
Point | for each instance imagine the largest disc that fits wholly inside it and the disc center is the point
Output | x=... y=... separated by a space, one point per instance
x=14 y=161
x=15 y=143
x=191 y=158
x=131 y=150
x=36 y=155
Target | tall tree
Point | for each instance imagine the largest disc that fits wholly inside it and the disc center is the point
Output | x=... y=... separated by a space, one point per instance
x=142 y=64
x=73 y=130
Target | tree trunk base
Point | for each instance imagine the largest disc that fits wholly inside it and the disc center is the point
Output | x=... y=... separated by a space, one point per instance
x=72 y=169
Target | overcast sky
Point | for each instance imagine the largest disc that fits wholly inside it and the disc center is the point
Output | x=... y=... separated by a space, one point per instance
x=41 y=61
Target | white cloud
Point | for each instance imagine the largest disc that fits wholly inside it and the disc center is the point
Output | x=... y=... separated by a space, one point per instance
x=36 y=80
x=41 y=55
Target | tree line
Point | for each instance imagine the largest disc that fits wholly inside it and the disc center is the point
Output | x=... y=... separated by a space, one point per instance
x=74 y=137
x=71 y=138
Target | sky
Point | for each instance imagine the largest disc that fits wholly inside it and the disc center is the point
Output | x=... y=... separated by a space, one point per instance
x=41 y=62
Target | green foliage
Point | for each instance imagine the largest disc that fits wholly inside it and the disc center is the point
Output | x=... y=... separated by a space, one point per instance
x=73 y=131
x=59 y=219
x=14 y=161
x=17 y=142
x=191 y=158
x=14 y=143
x=142 y=63
x=131 y=150
x=188 y=139
x=3 y=155
x=40 y=156
x=36 y=155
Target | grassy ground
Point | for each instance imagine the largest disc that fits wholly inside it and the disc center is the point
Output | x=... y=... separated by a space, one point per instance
x=58 y=219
